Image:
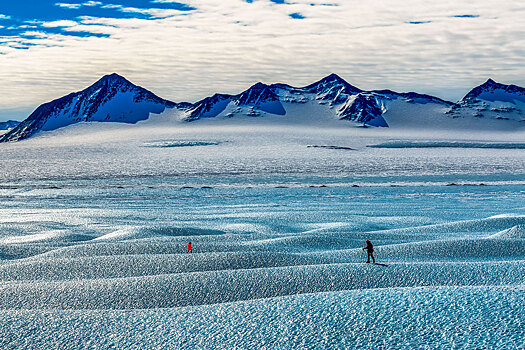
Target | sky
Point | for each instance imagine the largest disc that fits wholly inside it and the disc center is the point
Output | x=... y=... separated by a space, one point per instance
x=186 y=50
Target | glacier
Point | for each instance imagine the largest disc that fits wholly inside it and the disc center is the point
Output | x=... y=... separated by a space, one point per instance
x=95 y=219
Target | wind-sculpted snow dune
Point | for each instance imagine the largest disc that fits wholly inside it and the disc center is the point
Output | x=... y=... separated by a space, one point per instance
x=199 y=288
x=271 y=267
x=151 y=273
x=445 y=317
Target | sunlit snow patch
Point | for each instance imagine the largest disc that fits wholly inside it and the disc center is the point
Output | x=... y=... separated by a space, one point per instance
x=31 y=238
x=515 y=232
x=449 y=144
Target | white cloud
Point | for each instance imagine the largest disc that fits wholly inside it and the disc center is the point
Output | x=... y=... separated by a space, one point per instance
x=226 y=45
x=96 y=29
x=153 y=12
x=4 y=16
x=78 y=5
x=92 y=3
x=68 y=6
x=55 y=24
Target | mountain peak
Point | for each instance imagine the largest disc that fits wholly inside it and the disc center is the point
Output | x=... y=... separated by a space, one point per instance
x=494 y=91
x=258 y=85
x=331 y=81
x=256 y=94
x=111 y=79
x=333 y=89
x=112 y=98
x=333 y=77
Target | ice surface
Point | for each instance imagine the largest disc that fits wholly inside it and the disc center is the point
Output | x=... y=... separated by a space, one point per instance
x=447 y=317
x=95 y=222
x=450 y=144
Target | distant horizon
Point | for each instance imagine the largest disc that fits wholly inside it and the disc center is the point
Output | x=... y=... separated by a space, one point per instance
x=185 y=50
x=25 y=112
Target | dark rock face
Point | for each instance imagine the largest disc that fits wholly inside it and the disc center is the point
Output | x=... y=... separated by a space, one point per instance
x=258 y=93
x=259 y=97
x=112 y=98
x=208 y=108
x=366 y=109
x=412 y=97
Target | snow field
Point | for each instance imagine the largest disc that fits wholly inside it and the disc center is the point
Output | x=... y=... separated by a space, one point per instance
x=93 y=237
x=443 y=317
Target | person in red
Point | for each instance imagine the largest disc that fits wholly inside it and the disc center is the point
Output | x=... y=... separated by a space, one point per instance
x=190 y=250
x=370 y=250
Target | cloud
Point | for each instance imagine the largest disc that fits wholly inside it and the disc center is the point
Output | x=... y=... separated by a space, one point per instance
x=63 y=23
x=151 y=12
x=69 y=6
x=78 y=5
x=227 y=45
x=4 y=16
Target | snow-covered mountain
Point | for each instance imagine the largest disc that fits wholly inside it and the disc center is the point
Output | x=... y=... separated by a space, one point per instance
x=482 y=107
x=340 y=99
x=492 y=100
x=111 y=99
x=8 y=124
x=329 y=100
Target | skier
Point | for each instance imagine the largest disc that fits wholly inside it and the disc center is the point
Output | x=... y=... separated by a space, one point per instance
x=370 y=250
x=190 y=250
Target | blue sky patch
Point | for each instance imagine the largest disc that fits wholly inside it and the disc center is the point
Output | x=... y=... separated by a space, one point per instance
x=296 y=15
x=18 y=18
x=466 y=16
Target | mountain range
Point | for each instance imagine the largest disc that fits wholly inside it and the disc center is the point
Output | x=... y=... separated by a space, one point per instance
x=115 y=99
x=8 y=125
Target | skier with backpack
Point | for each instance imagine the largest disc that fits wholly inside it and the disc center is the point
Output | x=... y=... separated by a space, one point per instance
x=370 y=250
